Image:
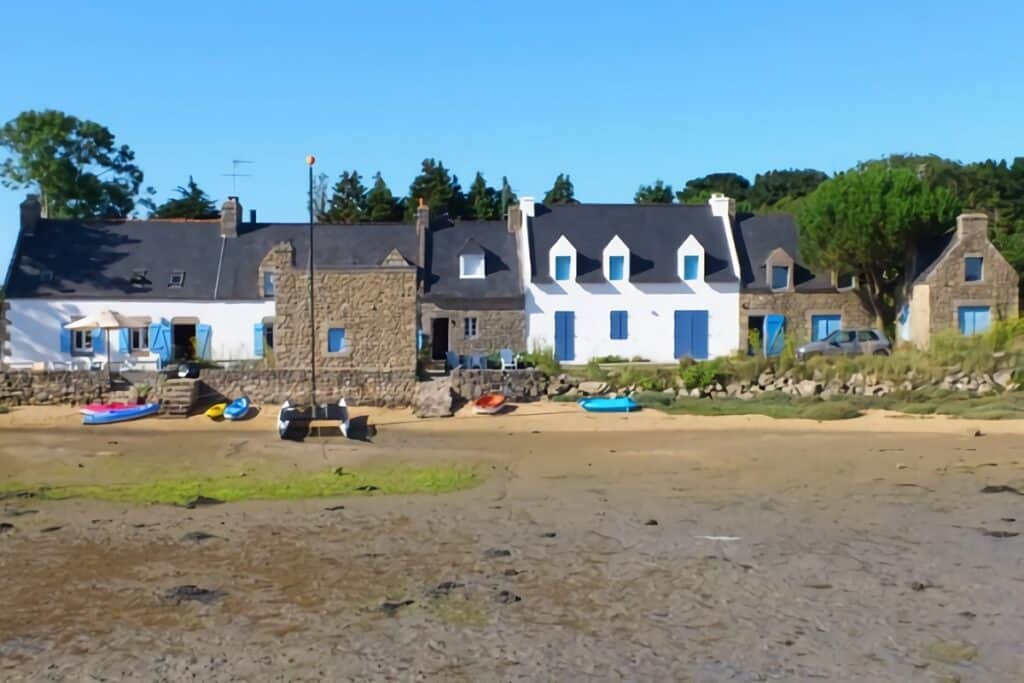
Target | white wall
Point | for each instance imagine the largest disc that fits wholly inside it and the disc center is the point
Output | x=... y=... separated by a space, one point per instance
x=34 y=325
x=651 y=310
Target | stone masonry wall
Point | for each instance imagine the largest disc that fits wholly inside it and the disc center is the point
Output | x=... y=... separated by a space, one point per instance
x=518 y=385
x=496 y=329
x=375 y=306
x=52 y=388
x=798 y=307
x=949 y=291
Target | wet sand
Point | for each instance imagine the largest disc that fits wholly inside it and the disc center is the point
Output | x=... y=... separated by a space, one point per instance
x=843 y=551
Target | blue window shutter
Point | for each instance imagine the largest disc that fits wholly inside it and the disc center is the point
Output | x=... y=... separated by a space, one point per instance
x=65 y=340
x=203 y=334
x=99 y=341
x=565 y=335
x=335 y=339
x=774 y=334
x=562 y=264
x=257 y=340
x=619 y=325
x=699 y=334
x=124 y=340
x=690 y=264
x=616 y=267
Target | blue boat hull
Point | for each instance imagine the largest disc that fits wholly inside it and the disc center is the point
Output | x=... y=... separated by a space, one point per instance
x=609 y=405
x=238 y=409
x=121 y=414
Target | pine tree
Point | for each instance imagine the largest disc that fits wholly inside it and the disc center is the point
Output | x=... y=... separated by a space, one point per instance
x=458 y=207
x=658 y=193
x=380 y=204
x=193 y=203
x=483 y=200
x=348 y=199
x=562 y=192
x=434 y=186
x=507 y=195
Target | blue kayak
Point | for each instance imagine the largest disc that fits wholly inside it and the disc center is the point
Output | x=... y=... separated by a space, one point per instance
x=237 y=409
x=121 y=414
x=608 y=405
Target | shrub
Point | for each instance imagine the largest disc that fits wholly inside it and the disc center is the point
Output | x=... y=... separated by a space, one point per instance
x=608 y=359
x=698 y=375
x=543 y=358
x=594 y=371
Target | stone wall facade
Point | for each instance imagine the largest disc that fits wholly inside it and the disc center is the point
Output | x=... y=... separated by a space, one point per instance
x=948 y=288
x=517 y=385
x=391 y=388
x=496 y=329
x=799 y=307
x=376 y=308
x=22 y=388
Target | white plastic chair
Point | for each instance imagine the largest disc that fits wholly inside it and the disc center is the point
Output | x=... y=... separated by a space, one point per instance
x=508 y=360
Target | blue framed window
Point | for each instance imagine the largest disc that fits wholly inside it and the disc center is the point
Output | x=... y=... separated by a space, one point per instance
x=690 y=265
x=562 y=264
x=780 y=277
x=973 y=319
x=974 y=267
x=616 y=267
x=620 y=325
x=824 y=325
x=336 y=341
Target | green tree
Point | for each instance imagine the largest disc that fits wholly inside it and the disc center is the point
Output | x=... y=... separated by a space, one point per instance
x=380 y=204
x=507 y=195
x=699 y=190
x=658 y=193
x=76 y=164
x=562 y=192
x=435 y=186
x=867 y=221
x=348 y=199
x=321 y=200
x=484 y=201
x=780 y=189
x=192 y=203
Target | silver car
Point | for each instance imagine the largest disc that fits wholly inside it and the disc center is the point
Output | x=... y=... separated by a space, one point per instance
x=848 y=343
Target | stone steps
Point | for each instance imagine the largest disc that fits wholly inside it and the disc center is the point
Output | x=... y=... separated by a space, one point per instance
x=178 y=397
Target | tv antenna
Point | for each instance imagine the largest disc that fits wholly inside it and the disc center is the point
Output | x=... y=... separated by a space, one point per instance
x=235 y=175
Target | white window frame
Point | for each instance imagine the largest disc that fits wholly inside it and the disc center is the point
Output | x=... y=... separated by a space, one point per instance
x=138 y=339
x=478 y=271
x=854 y=282
x=177 y=275
x=269 y=276
x=81 y=341
x=771 y=277
x=691 y=246
x=616 y=247
x=470 y=328
x=562 y=247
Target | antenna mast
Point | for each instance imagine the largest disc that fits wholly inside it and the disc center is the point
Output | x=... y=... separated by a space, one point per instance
x=235 y=175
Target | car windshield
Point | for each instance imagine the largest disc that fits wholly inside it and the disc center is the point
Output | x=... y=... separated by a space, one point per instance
x=838 y=337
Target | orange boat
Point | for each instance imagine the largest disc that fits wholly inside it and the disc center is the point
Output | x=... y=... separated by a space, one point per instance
x=489 y=404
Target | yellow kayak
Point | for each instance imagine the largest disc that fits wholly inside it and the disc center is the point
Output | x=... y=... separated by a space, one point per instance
x=216 y=411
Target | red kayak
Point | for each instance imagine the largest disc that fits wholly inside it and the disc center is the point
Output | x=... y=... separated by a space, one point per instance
x=489 y=404
x=96 y=408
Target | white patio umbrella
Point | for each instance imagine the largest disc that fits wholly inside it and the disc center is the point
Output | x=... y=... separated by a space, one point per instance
x=106 y=321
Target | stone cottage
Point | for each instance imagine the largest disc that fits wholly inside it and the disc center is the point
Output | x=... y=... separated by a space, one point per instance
x=958 y=281
x=781 y=296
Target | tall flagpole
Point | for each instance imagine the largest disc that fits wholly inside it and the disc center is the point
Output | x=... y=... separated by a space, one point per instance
x=310 y=160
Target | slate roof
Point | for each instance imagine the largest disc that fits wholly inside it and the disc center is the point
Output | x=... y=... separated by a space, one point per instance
x=653 y=234
x=96 y=260
x=757 y=237
x=500 y=288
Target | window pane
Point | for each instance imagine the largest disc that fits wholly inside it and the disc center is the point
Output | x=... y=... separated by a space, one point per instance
x=619 y=325
x=472 y=265
x=780 y=277
x=973 y=266
x=616 y=266
x=562 y=264
x=690 y=264
x=268 y=284
x=844 y=281
x=335 y=339
x=469 y=326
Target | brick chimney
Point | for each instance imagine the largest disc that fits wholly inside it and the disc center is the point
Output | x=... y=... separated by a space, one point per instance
x=230 y=217
x=972 y=225
x=422 y=228
x=31 y=214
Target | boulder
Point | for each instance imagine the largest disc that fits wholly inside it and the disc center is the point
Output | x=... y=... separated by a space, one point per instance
x=592 y=388
x=556 y=389
x=985 y=388
x=745 y=396
x=670 y=393
x=1003 y=378
x=433 y=398
x=808 y=387
x=696 y=393
x=733 y=388
x=766 y=378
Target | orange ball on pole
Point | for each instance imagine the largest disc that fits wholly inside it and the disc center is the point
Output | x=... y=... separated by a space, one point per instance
x=310 y=160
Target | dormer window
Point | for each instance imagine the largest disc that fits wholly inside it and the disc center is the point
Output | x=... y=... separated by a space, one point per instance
x=471 y=266
x=845 y=281
x=177 y=279
x=616 y=267
x=974 y=269
x=690 y=265
x=563 y=266
x=691 y=262
x=780 y=277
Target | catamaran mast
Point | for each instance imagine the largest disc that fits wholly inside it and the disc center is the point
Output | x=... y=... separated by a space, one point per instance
x=310 y=160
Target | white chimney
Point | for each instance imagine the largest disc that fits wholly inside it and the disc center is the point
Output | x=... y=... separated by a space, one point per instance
x=722 y=206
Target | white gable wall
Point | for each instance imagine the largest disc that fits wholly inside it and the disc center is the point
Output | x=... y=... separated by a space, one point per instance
x=34 y=325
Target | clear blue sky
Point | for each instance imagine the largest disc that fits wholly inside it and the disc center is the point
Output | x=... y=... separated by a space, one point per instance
x=616 y=97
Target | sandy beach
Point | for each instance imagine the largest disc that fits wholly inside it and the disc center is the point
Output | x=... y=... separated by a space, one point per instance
x=639 y=547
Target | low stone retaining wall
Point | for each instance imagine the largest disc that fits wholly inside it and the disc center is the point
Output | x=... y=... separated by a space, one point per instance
x=518 y=385
x=52 y=388
x=358 y=387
